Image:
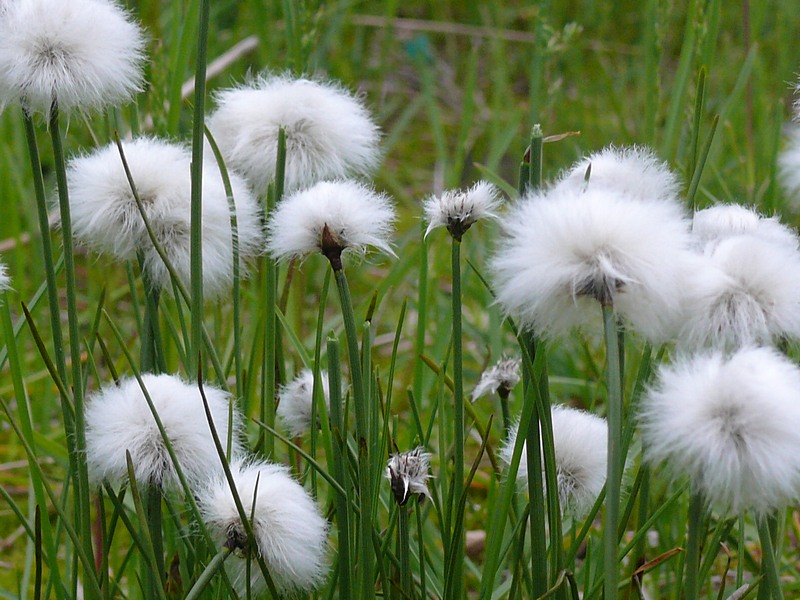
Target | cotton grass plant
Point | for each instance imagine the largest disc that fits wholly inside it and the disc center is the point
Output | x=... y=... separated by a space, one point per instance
x=632 y=291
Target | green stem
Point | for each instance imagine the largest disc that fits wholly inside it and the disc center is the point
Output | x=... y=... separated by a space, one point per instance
x=47 y=249
x=340 y=473
x=457 y=540
x=404 y=551
x=208 y=574
x=770 y=565
x=198 y=125
x=82 y=480
x=693 y=544
x=152 y=507
x=615 y=457
x=533 y=447
x=366 y=552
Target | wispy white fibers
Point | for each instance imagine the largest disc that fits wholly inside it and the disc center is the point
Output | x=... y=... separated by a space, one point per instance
x=290 y=533
x=105 y=216
x=580 y=440
x=408 y=473
x=743 y=290
x=634 y=171
x=295 y=401
x=458 y=210
x=564 y=250
x=716 y=223
x=329 y=132
x=354 y=215
x=118 y=419
x=498 y=379
x=82 y=54
x=5 y=280
x=732 y=424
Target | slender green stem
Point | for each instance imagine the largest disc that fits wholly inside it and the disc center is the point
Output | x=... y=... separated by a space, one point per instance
x=404 y=552
x=422 y=312
x=340 y=473
x=196 y=227
x=615 y=457
x=533 y=447
x=457 y=540
x=693 y=545
x=770 y=565
x=47 y=248
x=152 y=508
x=82 y=480
x=366 y=552
x=208 y=574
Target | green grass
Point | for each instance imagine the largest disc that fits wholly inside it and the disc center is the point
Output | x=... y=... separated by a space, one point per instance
x=456 y=87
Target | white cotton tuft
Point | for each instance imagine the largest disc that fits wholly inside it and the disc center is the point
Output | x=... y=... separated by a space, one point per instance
x=290 y=534
x=408 y=473
x=118 y=419
x=732 y=424
x=329 y=132
x=105 y=216
x=5 y=280
x=498 y=379
x=563 y=251
x=581 y=453
x=634 y=171
x=458 y=210
x=81 y=54
x=746 y=290
x=295 y=401
x=356 y=216
x=174 y=234
x=103 y=210
x=716 y=223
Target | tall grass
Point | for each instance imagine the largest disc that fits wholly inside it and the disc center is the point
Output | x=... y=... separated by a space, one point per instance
x=456 y=88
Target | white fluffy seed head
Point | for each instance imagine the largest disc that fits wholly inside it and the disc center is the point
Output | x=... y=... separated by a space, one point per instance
x=746 y=290
x=355 y=215
x=634 y=171
x=5 y=280
x=118 y=419
x=174 y=235
x=716 y=223
x=408 y=473
x=329 y=132
x=295 y=401
x=105 y=216
x=458 y=210
x=498 y=379
x=81 y=54
x=563 y=251
x=732 y=424
x=290 y=534
x=581 y=452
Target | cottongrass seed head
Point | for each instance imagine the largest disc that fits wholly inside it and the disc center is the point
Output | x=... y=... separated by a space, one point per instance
x=105 y=216
x=408 y=473
x=744 y=290
x=80 y=54
x=458 y=210
x=118 y=419
x=329 y=132
x=295 y=401
x=330 y=216
x=290 y=533
x=562 y=251
x=716 y=223
x=498 y=379
x=581 y=452
x=5 y=280
x=633 y=171
x=732 y=424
